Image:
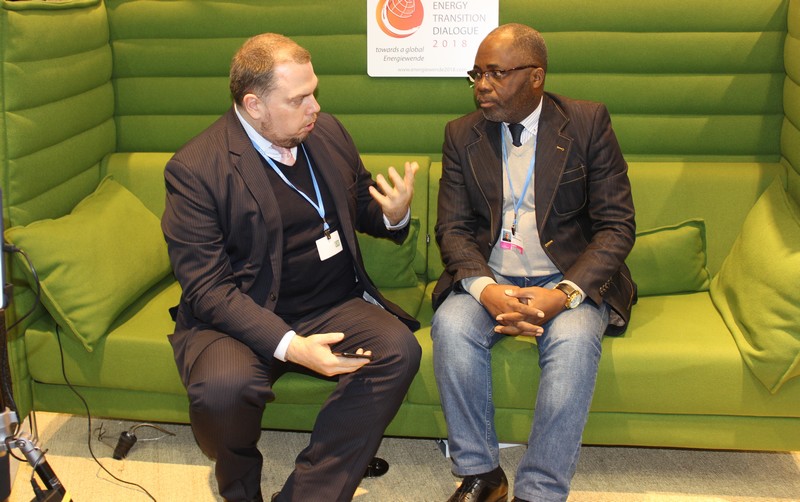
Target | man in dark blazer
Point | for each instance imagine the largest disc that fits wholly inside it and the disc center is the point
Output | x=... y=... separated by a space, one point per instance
x=260 y=221
x=535 y=221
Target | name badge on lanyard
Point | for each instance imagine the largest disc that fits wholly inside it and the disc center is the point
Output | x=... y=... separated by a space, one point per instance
x=510 y=239
x=329 y=245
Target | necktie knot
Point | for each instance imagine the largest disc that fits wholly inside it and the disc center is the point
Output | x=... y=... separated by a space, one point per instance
x=516 y=133
x=286 y=155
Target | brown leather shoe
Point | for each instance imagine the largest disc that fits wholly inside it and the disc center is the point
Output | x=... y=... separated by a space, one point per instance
x=478 y=489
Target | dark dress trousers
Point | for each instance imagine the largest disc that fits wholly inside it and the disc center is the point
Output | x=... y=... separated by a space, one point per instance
x=223 y=227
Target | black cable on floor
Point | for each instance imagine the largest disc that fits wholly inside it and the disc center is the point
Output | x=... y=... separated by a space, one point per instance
x=89 y=416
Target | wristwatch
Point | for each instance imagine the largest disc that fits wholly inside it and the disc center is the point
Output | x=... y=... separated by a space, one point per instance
x=574 y=297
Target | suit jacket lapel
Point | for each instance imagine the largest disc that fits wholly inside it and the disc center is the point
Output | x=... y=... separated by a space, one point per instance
x=318 y=148
x=485 y=162
x=552 y=150
x=248 y=163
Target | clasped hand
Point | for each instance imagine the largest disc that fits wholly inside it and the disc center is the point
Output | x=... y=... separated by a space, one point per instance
x=521 y=311
x=395 y=200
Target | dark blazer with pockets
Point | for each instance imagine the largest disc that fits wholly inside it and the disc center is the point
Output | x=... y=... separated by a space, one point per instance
x=584 y=207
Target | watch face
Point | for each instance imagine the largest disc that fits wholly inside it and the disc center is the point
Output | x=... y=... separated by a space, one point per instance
x=573 y=300
x=573 y=296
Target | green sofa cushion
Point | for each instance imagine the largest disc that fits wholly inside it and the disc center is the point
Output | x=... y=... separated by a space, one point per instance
x=670 y=259
x=756 y=289
x=95 y=261
x=135 y=355
x=676 y=358
x=390 y=265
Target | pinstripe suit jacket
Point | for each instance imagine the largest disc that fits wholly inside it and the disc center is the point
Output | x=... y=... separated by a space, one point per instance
x=223 y=228
x=584 y=208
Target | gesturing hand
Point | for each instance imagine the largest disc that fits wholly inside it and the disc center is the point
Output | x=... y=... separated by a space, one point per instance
x=395 y=200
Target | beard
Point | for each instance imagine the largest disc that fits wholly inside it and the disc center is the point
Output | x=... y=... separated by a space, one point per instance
x=513 y=110
x=266 y=129
x=292 y=141
x=494 y=115
x=284 y=141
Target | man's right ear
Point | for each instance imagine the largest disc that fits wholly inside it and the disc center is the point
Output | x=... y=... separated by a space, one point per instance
x=252 y=105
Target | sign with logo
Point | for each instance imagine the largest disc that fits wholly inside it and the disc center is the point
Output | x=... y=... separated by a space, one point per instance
x=426 y=38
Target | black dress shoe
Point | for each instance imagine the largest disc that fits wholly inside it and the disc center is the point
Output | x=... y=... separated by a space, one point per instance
x=376 y=468
x=480 y=489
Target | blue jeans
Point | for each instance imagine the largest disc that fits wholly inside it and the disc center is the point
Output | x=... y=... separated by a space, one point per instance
x=569 y=354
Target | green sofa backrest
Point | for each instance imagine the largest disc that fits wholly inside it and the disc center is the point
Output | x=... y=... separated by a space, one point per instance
x=790 y=133
x=685 y=80
x=57 y=106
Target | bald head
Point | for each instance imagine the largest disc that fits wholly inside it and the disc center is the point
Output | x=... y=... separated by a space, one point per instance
x=526 y=42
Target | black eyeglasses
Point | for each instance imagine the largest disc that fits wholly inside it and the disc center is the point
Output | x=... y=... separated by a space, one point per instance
x=496 y=75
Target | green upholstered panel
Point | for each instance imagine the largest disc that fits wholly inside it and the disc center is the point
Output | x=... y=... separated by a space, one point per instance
x=56 y=123
x=33 y=129
x=131 y=19
x=379 y=164
x=790 y=135
x=683 y=80
x=793 y=183
x=660 y=368
x=648 y=368
x=210 y=56
x=635 y=16
x=666 y=193
x=656 y=52
x=695 y=94
x=423 y=388
x=730 y=137
x=408 y=299
x=172 y=95
x=141 y=329
x=692 y=431
x=435 y=265
x=158 y=133
x=57 y=105
x=142 y=174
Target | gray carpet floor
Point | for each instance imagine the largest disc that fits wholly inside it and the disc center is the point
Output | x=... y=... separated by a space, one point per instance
x=172 y=469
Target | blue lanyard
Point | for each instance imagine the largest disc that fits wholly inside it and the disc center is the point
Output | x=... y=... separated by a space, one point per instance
x=319 y=206
x=518 y=202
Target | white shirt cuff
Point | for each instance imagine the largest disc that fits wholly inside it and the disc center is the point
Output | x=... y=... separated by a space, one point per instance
x=400 y=225
x=574 y=286
x=280 y=351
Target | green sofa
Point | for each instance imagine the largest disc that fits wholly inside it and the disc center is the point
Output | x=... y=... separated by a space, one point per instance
x=705 y=99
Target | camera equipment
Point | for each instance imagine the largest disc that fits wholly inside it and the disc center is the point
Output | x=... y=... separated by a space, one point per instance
x=10 y=436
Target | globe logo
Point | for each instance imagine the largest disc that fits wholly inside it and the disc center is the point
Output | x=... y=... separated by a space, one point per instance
x=399 y=18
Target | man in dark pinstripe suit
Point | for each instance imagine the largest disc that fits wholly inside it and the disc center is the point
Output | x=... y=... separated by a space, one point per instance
x=260 y=220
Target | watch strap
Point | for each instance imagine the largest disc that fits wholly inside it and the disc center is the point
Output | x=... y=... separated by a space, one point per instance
x=574 y=297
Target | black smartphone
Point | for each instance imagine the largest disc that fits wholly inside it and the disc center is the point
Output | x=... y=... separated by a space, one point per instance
x=353 y=354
